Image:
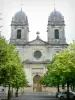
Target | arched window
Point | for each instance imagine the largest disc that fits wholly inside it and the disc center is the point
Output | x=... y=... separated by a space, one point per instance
x=18 y=34
x=56 y=34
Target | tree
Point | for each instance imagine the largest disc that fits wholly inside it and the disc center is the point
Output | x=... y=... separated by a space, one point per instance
x=11 y=67
x=19 y=80
x=52 y=76
x=61 y=70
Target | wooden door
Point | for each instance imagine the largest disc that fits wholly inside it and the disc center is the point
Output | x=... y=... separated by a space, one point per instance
x=37 y=87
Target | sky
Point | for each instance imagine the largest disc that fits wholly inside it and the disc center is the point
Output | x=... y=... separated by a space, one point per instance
x=38 y=12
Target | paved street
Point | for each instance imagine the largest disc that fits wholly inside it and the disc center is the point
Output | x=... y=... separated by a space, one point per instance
x=36 y=96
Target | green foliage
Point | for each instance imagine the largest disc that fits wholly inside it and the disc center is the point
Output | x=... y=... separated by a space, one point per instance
x=19 y=79
x=61 y=69
x=11 y=67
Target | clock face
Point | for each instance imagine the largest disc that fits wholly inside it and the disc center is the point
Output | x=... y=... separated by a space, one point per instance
x=37 y=54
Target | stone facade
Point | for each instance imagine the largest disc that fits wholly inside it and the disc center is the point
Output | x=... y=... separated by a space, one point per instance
x=36 y=54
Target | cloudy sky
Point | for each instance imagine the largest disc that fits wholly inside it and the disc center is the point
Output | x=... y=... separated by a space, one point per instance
x=38 y=12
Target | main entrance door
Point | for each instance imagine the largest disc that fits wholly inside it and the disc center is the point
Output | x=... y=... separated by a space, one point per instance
x=37 y=87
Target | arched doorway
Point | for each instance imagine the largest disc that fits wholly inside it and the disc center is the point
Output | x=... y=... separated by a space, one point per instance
x=37 y=87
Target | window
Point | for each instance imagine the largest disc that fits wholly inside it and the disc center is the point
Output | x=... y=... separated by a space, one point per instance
x=18 y=34
x=56 y=34
x=37 y=54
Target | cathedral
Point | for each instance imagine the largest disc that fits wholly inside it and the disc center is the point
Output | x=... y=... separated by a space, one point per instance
x=36 y=54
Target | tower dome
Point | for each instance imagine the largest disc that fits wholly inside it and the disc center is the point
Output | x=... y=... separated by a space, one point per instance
x=55 y=18
x=19 y=28
x=56 y=28
x=20 y=18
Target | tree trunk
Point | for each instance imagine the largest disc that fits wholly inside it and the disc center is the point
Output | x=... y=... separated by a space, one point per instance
x=68 y=98
x=16 y=92
x=12 y=90
x=9 y=93
x=63 y=86
x=58 y=90
x=73 y=87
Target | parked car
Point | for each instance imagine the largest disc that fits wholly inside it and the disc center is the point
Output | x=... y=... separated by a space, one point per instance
x=56 y=94
x=63 y=95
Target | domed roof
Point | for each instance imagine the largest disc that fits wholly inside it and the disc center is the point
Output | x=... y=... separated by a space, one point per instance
x=55 y=16
x=20 y=18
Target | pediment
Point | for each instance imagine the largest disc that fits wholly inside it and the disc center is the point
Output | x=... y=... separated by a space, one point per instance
x=38 y=42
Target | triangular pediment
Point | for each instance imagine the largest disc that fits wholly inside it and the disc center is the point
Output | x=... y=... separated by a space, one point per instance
x=38 y=42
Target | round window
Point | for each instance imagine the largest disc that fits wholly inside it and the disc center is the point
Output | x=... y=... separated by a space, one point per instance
x=37 y=54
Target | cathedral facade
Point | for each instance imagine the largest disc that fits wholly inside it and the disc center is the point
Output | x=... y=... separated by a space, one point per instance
x=36 y=54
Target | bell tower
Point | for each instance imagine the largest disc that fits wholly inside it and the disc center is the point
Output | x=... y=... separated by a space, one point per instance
x=19 y=29
x=56 y=28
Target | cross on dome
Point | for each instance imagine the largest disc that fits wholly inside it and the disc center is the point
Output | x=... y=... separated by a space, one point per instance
x=54 y=4
x=37 y=34
x=21 y=4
